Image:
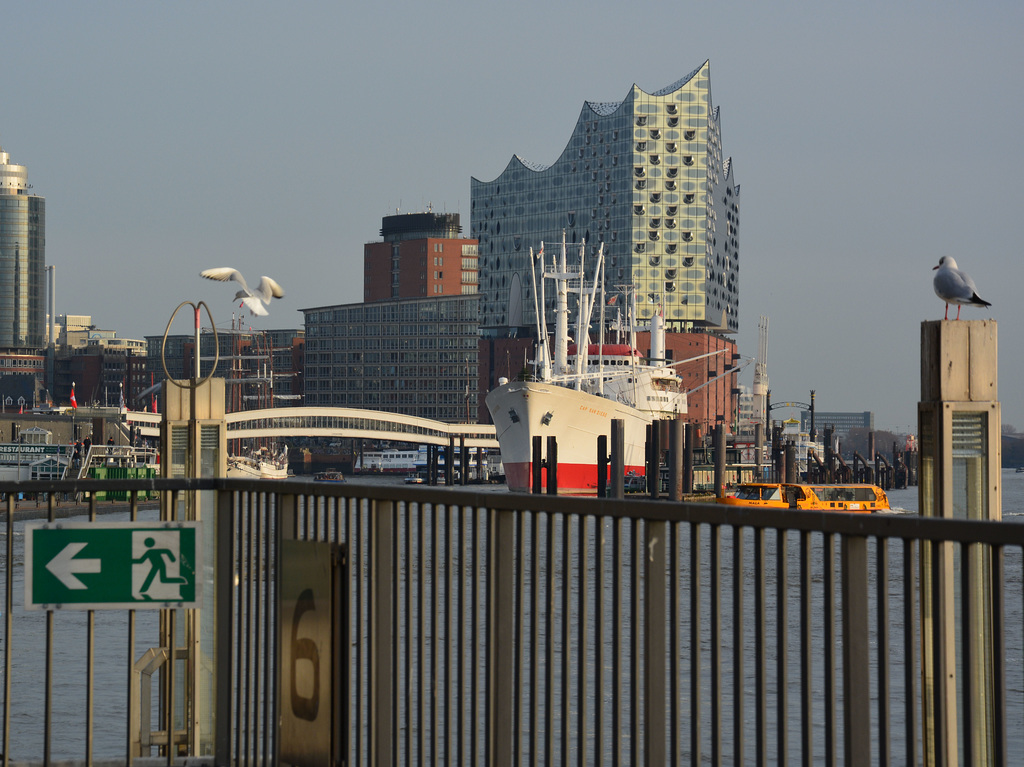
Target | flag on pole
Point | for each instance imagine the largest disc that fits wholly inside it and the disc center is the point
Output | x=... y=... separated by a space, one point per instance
x=74 y=402
x=121 y=406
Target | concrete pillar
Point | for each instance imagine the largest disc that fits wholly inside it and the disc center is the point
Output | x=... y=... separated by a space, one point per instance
x=959 y=428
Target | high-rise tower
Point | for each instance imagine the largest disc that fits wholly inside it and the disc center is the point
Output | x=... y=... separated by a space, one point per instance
x=646 y=177
x=22 y=259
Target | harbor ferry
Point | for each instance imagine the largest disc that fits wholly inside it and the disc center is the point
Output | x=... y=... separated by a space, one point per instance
x=776 y=495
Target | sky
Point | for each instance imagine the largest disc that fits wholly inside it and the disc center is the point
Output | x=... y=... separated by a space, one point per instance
x=868 y=139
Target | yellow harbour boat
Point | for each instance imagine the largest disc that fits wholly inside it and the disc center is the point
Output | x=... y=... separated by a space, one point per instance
x=776 y=495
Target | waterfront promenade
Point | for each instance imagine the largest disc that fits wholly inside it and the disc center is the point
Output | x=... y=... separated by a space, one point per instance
x=490 y=628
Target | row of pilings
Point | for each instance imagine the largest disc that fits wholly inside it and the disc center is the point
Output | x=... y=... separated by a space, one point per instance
x=672 y=444
x=897 y=472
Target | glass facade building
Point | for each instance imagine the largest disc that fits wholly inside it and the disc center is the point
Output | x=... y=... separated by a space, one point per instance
x=22 y=260
x=647 y=178
x=417 y=357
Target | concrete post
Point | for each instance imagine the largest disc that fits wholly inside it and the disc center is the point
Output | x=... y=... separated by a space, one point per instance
x=959 y=428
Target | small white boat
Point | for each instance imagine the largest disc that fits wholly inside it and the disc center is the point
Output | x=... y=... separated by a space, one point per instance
x=259 y=465
x=329 y=476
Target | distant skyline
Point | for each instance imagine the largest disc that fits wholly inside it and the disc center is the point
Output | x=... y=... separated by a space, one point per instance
x=868 y=140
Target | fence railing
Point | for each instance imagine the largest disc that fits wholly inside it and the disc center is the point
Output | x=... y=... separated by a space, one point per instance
x=492 y=628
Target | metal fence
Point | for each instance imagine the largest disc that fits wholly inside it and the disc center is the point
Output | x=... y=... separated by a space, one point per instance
x=489 y=628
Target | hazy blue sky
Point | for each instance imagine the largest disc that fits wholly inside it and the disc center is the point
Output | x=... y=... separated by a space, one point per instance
x=869 y=139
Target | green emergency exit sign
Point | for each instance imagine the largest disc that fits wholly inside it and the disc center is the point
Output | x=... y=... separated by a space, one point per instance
x=112 y=565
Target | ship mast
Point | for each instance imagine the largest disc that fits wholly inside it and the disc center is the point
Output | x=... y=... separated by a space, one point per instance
x=761 y=373
x=561 y=315
x=543 y=350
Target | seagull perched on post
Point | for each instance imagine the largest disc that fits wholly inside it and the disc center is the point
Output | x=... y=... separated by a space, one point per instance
x=955 y=287
x=252 y=299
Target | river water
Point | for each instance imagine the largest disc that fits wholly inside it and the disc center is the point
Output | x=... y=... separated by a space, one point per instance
x=112 y=652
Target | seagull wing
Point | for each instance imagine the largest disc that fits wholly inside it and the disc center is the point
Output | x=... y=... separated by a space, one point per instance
x=268 y=289
x=951 y=287
x=254 y=305
x=225 y=274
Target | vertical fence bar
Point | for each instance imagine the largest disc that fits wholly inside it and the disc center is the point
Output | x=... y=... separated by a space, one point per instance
x=998 y=656
x=599 y=623
x=444 y=571
x=382 y=568
x=582 y=622
x=537 y=667
x=969 y=652
x=674 y=642
x=910 y=651
x=856 y=651
x=90 y=663
x=566 y=740
x=806 y=670
x=521 y=691
x=760 y=651
x=289 y=509
x=430 y=725
x=422 y=679
x=501 y=668
x=459 y=568
x=409 y=523
x=829 y=634
x=549 y=642
x=715 y=600
x=738 y=677
x=782 y=648
x=239 y=534
x=224 y=580
x=882 y=602
x=616 y=586
x=261 y=692
x=695 y=626
x=477 y=528
x=636 y=561
x=8 y=624
x=655 y=670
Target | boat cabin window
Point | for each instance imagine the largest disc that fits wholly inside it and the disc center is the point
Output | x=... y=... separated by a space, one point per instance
x=839 y=493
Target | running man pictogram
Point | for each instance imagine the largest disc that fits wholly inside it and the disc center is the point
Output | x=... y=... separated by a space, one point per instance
x=158 y=559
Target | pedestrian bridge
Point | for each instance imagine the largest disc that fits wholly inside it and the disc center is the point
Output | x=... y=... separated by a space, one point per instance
x=338 y=422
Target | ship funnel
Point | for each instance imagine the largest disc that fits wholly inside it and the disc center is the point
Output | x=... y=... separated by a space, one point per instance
x=657 y=339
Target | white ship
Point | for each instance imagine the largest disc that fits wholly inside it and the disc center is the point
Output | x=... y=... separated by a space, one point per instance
x=259 y=465
x=576 y=395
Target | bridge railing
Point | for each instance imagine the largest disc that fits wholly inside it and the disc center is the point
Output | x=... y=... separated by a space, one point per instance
x=492 y=628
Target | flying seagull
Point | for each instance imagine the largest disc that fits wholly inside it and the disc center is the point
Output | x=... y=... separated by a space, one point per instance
x=955 y=287
x=252 y=299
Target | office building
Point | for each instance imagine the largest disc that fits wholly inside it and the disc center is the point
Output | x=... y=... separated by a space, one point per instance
x=646 y=178
x=22 y=260
x=422 y=255
x=412 y=356
x=841 y=422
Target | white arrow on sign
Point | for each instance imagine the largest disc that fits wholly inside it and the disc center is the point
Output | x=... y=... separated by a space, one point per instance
x=64 y=566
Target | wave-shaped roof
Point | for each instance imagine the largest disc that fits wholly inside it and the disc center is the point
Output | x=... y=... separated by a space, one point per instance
x=605 y=108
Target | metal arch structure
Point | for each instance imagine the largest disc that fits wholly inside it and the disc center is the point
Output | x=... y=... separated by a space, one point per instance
x=337 y=422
